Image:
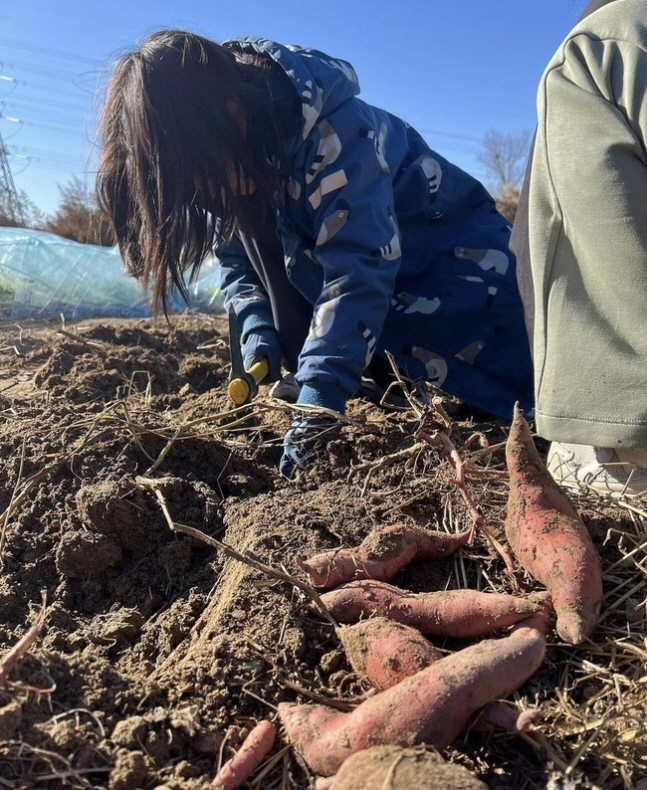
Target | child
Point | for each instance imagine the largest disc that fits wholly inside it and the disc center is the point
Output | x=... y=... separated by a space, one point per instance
x=341 y=234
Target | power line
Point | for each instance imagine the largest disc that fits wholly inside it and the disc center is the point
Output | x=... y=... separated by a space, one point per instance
x=38 y=50
x=47 y=104
x=66 y=75
x=53 y=121
x=45 y=154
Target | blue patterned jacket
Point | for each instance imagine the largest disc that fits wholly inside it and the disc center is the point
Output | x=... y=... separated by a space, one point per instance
x=395 y=247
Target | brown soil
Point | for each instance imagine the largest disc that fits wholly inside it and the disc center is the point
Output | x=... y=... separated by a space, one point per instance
x=159 y=653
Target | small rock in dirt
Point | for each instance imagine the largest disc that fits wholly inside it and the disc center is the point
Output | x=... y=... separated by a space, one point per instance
x=130 y=732
x=82 y=555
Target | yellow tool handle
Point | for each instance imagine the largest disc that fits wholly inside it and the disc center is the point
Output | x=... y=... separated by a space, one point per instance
x=239 y=388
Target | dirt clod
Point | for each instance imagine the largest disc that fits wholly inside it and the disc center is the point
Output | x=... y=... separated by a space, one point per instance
x=82 y=555
x=130 y=771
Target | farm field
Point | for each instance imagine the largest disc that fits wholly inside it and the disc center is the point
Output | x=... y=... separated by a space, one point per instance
x=159 y=651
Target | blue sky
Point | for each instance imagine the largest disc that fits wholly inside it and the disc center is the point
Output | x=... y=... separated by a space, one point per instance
x=454 y=69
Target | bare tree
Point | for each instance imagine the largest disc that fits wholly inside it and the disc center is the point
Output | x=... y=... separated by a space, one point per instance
x=507 y=202
x=22 y=213
x=78 y=217
x=504 y=157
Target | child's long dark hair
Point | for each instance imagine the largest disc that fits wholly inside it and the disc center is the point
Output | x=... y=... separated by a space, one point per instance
x=179 y=112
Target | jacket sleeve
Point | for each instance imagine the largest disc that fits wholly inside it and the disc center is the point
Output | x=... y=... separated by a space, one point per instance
x=243 y=289
x=588 y=232
x=349 y=202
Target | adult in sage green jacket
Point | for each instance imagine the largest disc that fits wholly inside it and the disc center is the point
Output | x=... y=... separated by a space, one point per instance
x=581 y=243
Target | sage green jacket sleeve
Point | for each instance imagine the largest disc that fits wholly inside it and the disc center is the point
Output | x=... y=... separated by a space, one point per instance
x=587 y=218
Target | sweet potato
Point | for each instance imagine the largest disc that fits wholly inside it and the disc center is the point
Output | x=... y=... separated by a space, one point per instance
x=399 y=769
x=502 y=716
x=250 y=755
x=432 y=706
x=506 y=717
x=381 y=555
x=458 y=613
x=549 y=538
x=386 y=652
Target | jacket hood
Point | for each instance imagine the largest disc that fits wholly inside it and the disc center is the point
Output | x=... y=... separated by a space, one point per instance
x=322 y=82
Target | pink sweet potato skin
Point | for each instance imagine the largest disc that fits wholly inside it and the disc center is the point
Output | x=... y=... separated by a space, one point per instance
x=549 y=538
x=432 y=706
x=386 y=652
x=381 y=555
x=456 y=613
x=495 y=715
x=254 y=749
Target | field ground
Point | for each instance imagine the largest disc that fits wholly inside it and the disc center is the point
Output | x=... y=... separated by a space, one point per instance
x=158 y=652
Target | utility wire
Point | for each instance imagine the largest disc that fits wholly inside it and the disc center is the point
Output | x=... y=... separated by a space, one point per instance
x=15 y=44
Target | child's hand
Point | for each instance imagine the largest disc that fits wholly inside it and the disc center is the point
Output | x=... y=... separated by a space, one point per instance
x=263 y=344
